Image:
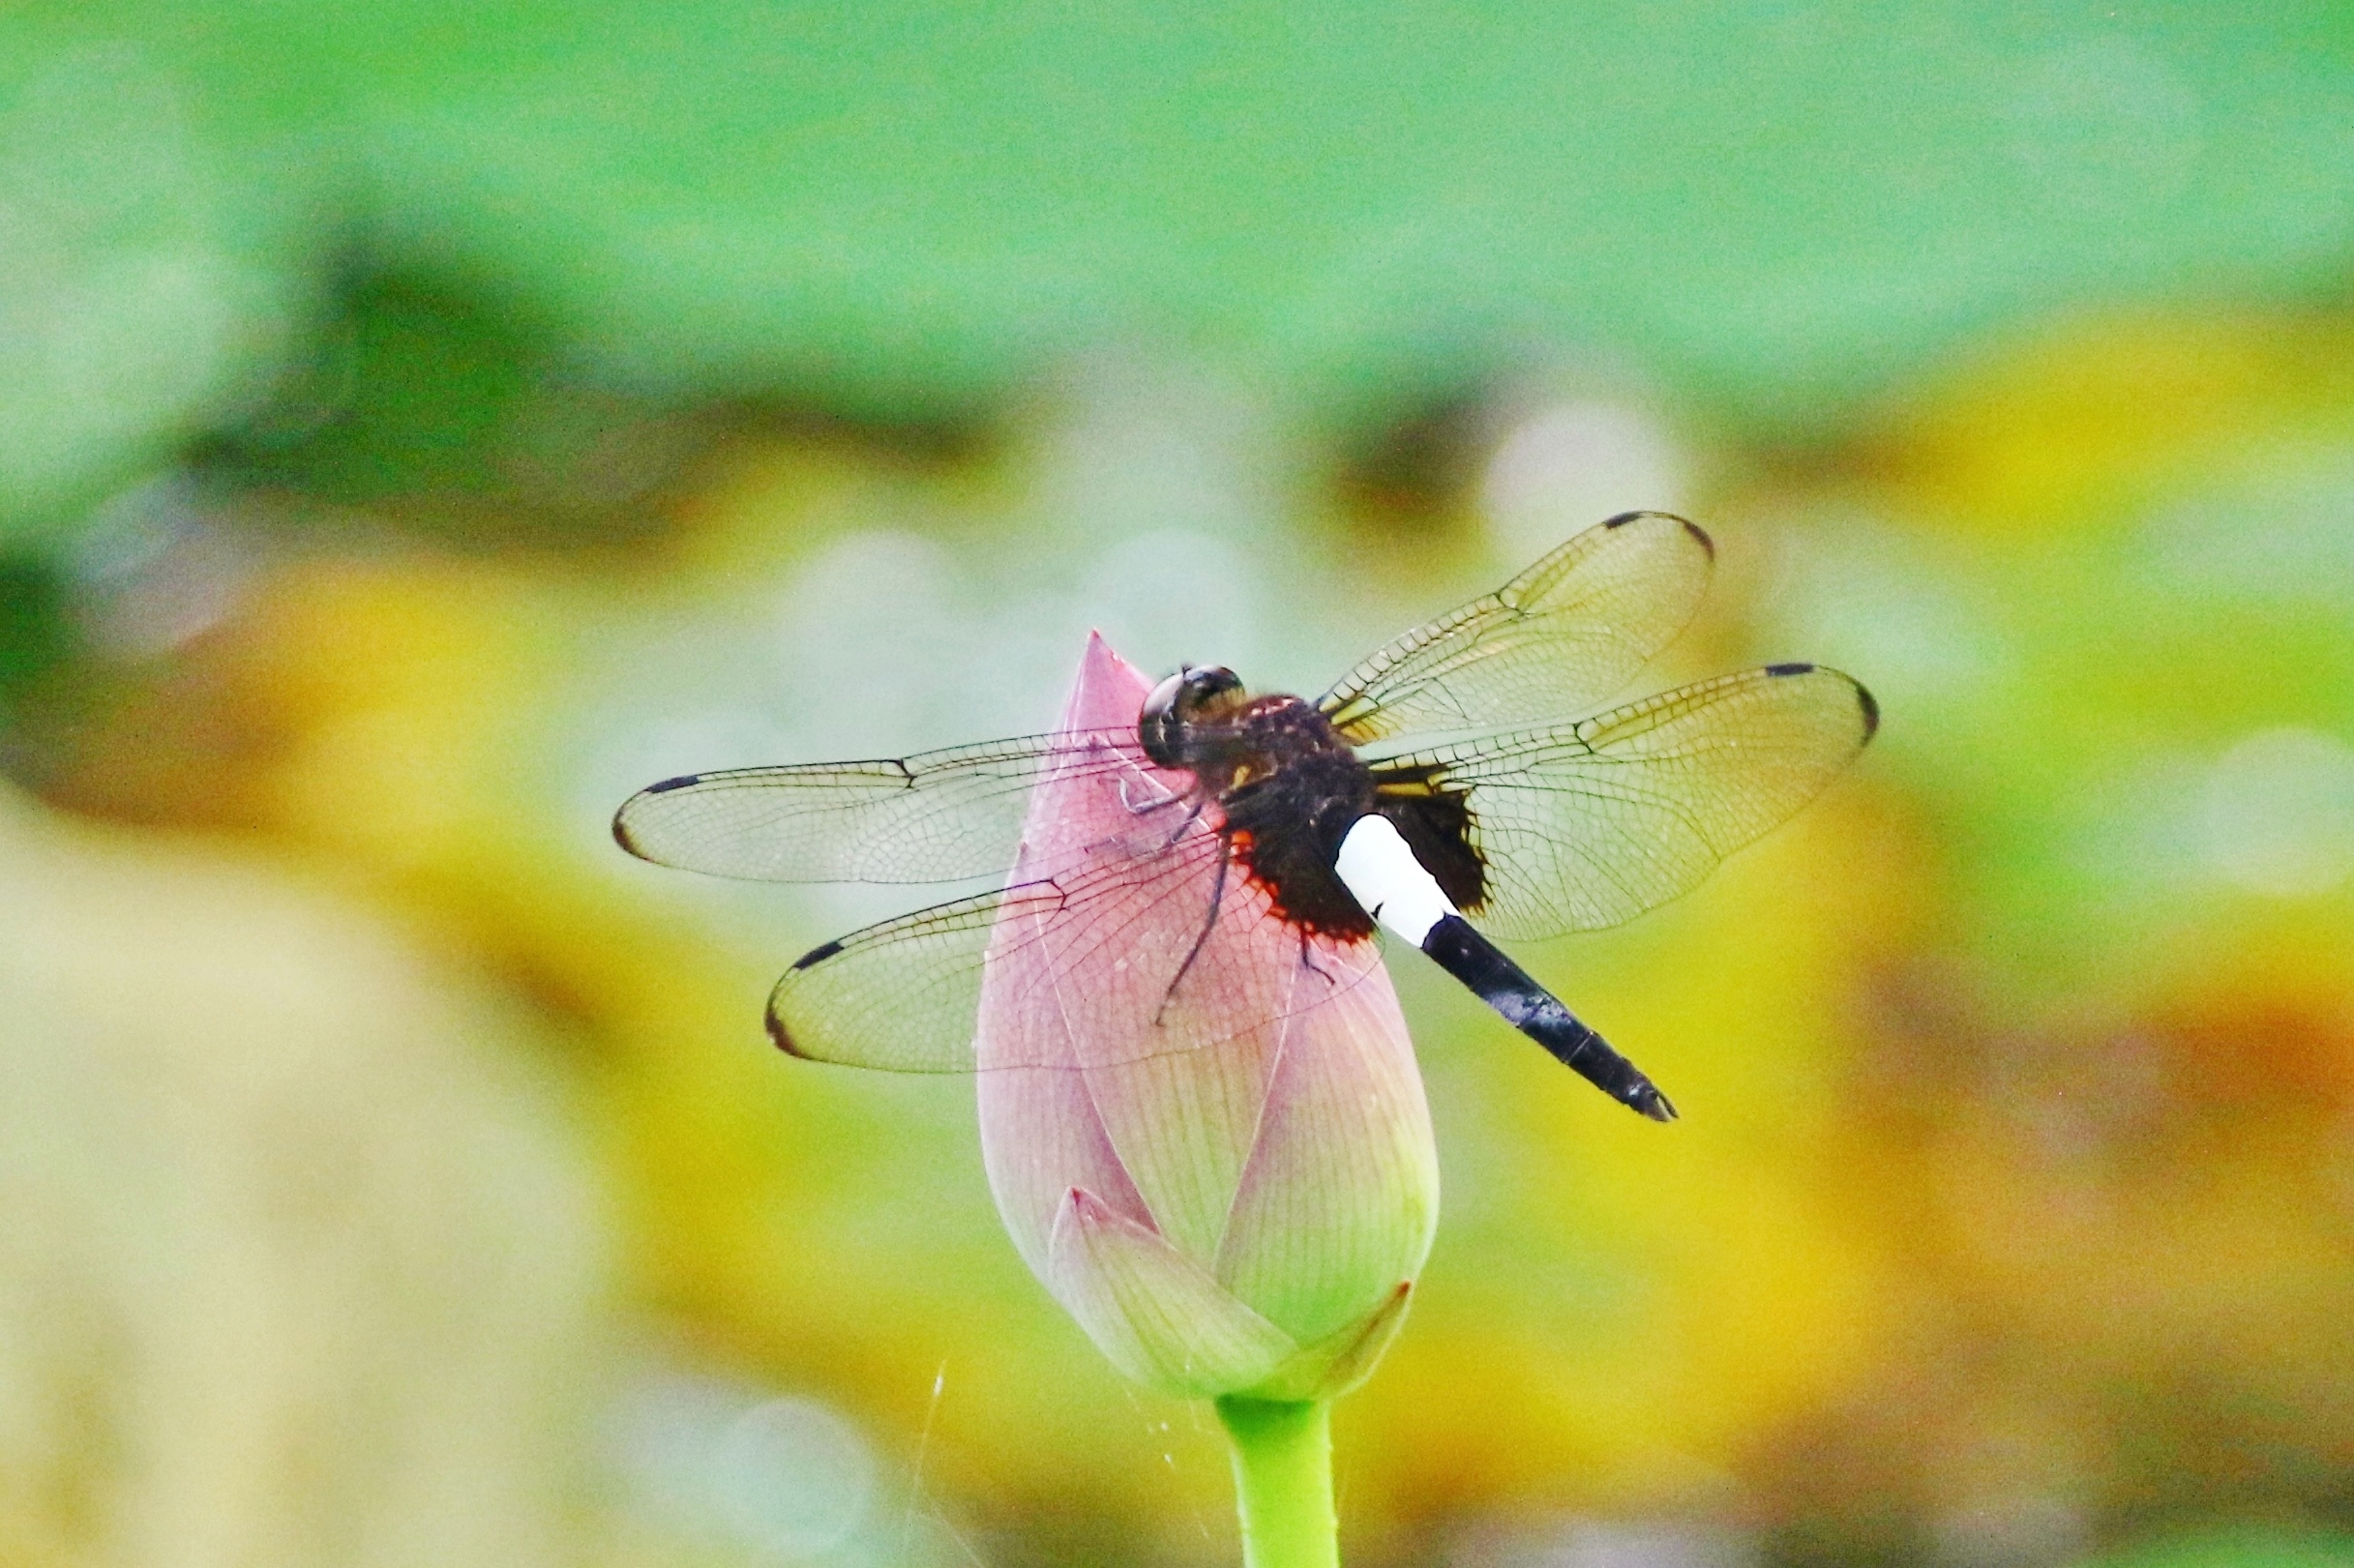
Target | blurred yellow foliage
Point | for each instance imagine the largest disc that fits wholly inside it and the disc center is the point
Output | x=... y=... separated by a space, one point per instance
x=302 y=1255
x=2071 y=427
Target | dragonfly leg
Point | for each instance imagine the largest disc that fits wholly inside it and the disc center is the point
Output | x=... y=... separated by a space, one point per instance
x=1307 y=961
x=1217 y=897
x=1146 y=807
x=1186 y=826
x=1141 y=843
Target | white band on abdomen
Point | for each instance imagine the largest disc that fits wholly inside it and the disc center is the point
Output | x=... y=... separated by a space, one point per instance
x=1377 y=866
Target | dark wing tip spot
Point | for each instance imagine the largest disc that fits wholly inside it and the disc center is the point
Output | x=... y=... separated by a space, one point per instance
x=621 y=835
x=1870 y=705
x=816 y=954
x=1699 y=534
x=1790 y=669
x=780 y=1035
x=668 y=784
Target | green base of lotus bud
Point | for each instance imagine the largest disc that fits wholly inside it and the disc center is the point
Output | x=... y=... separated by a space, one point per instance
x=1283 y=1481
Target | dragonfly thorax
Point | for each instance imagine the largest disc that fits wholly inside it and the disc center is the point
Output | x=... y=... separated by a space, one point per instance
x=1197 y=722
x=1288 y=790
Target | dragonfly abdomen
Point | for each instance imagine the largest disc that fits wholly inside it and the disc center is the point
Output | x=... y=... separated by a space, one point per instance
x=1380 y=869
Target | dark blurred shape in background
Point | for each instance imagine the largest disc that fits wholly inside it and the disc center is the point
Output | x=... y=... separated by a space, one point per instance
x=421 y=425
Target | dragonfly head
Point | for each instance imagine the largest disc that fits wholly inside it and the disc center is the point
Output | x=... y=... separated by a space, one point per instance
x=1196 y=693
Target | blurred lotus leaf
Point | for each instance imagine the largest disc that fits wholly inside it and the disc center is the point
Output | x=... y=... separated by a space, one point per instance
x=897 y=212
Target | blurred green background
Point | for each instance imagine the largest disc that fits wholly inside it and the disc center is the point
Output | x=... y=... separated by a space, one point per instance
x=422 y=423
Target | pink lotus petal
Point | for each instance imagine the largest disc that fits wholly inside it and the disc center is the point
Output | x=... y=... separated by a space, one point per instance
x=1342 y=1359
x=1155 y=1312
x=1041 y=1137
x=1344 y=1185
x=1182 y=1121
x=1264 y=1122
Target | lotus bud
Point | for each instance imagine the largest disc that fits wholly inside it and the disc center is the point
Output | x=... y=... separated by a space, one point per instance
x=1238 y=1216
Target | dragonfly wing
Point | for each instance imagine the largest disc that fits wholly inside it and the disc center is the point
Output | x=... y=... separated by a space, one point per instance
x=1580 y=826
x=937 y=817
x=901 y=996
x=1090 y=967
x=1558 y=638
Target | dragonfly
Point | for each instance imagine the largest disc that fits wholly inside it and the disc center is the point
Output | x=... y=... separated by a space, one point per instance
x=1456 y=788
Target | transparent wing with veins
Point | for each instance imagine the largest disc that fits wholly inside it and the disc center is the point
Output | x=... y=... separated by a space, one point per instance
x=947 y=815
x=1553 y=642
x=1588 y=824
x=1124 y=912
x=1556 y=641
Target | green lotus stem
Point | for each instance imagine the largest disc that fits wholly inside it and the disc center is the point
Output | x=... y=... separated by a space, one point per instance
x=1283 y=1481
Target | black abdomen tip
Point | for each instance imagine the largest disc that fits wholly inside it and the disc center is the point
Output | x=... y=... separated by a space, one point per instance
x=1647 y=1100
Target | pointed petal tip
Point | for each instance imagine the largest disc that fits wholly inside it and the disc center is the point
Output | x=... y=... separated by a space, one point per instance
x=1080 y=1206
x=1342 y=1360
x=1109 y=691
x=1100 y=653
x=1159 y=1316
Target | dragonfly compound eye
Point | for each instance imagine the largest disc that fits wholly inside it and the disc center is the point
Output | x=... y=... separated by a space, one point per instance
x=1208 y=691
x=1158 y=725
x=1205 y=685
x=1194 y=694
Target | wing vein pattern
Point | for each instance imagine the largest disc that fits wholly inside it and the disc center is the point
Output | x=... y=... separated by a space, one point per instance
x=937 y=817
x=905 y=995
x=1589 y=824
x=1557 y=639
